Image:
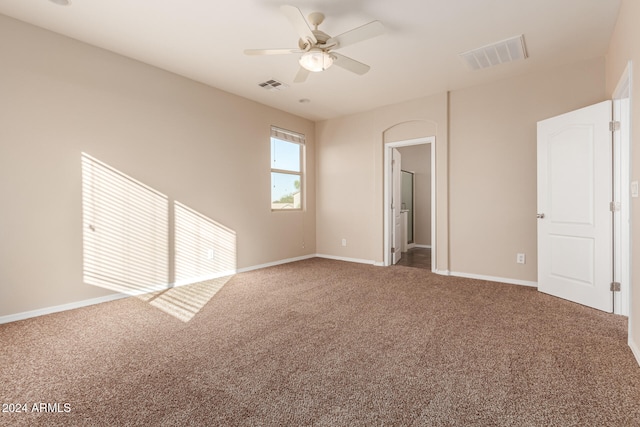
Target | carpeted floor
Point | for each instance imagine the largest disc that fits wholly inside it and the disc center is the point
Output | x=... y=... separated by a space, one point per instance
x=327 y=343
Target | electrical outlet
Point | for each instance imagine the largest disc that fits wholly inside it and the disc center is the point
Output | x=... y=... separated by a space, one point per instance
x=210 y=254
x=520 y=258
x=344 y=242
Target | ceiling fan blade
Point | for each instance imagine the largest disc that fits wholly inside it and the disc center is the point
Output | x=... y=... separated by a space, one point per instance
x=364 y=32
x=350 y=64
x=302 y=75
x=271 y=51
x=300 y=24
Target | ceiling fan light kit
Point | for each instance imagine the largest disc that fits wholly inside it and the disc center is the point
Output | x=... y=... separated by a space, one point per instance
x=316 y=46
x=316 y=60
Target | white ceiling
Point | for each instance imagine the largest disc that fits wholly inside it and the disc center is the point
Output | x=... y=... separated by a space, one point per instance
x=417 y=56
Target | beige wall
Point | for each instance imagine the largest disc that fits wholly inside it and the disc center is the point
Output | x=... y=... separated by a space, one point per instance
x=493 y=164
x=417 y=159
x=624 y=47
x=200 y=146
x=350 y=173
x=485 y=169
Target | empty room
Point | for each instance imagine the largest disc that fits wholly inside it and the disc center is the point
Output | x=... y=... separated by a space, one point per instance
x=326 y=213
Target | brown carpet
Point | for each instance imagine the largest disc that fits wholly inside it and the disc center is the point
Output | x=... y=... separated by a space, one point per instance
x=327 y=343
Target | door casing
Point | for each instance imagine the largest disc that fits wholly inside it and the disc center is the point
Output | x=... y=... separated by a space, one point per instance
x=621 y=193
x=396 y=204
x=388 y=182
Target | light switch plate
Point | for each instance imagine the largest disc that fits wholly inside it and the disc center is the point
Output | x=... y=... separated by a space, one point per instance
x=634 y=189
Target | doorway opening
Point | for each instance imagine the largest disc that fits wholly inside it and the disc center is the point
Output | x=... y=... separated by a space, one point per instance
x=390 y=229
x=408 y=208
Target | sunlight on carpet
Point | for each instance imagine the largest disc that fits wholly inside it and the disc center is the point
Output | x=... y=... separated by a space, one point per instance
x=184 y=302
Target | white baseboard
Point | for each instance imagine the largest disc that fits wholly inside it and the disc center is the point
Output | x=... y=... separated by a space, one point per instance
x=634 y=349
x=422 y=246
x=204 y=278
x=274 y=263
x=357 y=260
x=213 y=276
x=495 y=279
x=57 y=308
x=116 y=296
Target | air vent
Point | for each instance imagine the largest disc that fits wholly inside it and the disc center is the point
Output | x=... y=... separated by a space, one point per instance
x=509 y=50
x=273 y=85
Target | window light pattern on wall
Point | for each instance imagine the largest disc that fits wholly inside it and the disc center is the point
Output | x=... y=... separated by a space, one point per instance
x=204 y=249
x=125 y=231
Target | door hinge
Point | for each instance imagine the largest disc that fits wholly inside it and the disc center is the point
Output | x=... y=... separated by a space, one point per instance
x=615 y=286
x=614 y=206
x=614 y=125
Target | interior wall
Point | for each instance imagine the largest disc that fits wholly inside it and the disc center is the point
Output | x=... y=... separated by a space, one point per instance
x=199 y=146
x=345 y=186
x=624 y=47
x=485 y=169
x=350 y=176
x=493 y=165
x=417 y=159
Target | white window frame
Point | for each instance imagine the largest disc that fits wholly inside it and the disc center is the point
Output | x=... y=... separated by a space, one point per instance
x=294 y=138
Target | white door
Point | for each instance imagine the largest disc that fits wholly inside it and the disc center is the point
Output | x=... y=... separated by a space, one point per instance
x=574 y=216
x=396 y=204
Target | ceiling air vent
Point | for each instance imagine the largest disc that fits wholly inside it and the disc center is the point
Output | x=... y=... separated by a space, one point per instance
x=509 y=50
x=273 y=85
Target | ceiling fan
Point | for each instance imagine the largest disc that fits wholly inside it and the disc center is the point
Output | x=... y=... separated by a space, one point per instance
x=317 y=48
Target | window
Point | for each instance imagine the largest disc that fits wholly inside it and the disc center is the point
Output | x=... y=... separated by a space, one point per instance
x=287 y=174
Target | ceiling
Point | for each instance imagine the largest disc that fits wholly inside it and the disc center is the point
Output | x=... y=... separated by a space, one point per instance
x=417 y=56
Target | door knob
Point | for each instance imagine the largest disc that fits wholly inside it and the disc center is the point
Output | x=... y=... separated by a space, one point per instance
x=540 y=216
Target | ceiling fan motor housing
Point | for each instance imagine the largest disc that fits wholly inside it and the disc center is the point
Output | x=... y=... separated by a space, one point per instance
x=322 y=38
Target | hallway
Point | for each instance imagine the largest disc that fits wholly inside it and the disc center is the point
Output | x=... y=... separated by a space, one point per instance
x=416 y=257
